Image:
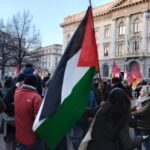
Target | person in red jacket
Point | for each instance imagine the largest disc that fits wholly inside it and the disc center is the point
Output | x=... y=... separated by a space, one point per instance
x=27 y=103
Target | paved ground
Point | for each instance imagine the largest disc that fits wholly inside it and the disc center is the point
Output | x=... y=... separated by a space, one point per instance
x=2 y=147
x=1 y=142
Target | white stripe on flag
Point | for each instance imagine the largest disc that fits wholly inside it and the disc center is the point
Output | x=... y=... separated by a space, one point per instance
x=37 y=121
x=72 y=75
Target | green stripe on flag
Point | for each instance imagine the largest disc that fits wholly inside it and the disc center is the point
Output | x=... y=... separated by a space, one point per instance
x=53 y=129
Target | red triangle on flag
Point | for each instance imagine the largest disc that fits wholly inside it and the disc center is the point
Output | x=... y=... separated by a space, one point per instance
x=89 y=56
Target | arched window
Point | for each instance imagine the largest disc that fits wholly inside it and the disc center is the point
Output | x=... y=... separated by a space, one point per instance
x=121 y=28
x=136 y=25
x=105 y=70
x=134 y=64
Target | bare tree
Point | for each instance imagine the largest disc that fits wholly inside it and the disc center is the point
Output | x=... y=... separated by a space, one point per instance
x=25 y=36
x=5 y=49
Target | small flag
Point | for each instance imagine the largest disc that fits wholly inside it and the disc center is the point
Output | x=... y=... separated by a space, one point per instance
x=137 y=77
x=69 y=89
x=130 y=78
x=136 y=73
x=115 y=70
x=17 y=70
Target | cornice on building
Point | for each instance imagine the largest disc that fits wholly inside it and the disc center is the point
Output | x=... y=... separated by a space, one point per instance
x=78 y=17
x=103 y=10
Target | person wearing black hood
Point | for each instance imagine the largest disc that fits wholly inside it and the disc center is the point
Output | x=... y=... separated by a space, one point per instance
x=29 y=70
x=116 y=82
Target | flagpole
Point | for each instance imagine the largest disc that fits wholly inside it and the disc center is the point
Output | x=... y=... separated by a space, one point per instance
x=90 y=3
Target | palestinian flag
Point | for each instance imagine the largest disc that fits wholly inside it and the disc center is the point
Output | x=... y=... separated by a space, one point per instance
x=69 y=89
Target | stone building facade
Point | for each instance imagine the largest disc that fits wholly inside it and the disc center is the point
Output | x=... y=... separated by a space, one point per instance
x=46 y=59
x=122 y=30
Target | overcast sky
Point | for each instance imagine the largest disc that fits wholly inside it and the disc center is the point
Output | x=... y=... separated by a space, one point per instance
x=47 y=14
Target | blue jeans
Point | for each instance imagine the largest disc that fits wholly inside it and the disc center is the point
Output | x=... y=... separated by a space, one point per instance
x=39 y=145
x=23 y=147
x=145 y=143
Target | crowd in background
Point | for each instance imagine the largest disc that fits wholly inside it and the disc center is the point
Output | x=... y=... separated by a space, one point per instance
x=109 y=110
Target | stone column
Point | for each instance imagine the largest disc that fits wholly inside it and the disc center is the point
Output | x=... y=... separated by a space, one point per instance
x=127 y=36
x=145 y=33
x=113 y=36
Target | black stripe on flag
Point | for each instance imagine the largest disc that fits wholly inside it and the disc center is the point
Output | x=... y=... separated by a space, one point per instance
x=53 y=96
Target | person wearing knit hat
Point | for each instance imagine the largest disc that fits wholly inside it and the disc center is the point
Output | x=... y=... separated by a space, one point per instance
x=30 y=80
x=27 y=103
x=28 y=69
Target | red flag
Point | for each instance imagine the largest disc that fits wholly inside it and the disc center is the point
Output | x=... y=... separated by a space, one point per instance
x=130 y=78
x=89 y=55
x=17 y=70
x=136 y=73
x=115 y=70
x=137 y=77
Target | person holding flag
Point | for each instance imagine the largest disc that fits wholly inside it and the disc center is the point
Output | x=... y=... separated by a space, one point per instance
x=69 y=88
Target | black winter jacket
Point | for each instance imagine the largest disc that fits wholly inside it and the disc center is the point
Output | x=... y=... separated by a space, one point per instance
x=107 y=135
x=142 y=116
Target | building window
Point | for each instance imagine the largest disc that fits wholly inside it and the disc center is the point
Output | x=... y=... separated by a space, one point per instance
x=136 y=25
x=56 y=61
x=135 y=46
x=105 y=70
x=120 y=49
x=107 y=32
x=121 y=28
x=106 y=50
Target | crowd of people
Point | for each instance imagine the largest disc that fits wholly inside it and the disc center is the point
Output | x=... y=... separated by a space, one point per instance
x=108 y=116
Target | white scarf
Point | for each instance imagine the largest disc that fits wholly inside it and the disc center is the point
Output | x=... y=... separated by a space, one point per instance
x=140 y=100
